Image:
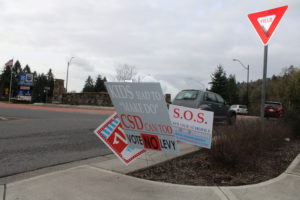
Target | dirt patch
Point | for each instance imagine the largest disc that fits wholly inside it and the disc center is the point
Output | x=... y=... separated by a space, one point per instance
x=198 y=168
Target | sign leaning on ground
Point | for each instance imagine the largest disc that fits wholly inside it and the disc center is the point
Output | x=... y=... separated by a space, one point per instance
x=112 y=134
x=191 y=125
x=144 y=115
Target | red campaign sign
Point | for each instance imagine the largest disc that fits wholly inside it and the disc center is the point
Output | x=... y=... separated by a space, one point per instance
x=265 y=22
x=112 y=134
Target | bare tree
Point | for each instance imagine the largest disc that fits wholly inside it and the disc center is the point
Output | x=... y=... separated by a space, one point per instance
x=125 y=72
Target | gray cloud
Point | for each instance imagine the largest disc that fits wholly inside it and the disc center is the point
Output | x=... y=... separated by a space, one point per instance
x=179 y=42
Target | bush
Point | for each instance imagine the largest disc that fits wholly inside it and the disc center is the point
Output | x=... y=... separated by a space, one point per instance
x=292 y=117
x=241 y=145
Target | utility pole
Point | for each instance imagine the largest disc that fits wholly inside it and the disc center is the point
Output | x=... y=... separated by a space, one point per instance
x=10 y=83
x=247 y=68
x=68 y=74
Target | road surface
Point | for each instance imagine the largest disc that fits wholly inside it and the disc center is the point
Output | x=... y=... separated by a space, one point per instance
x=33 y=137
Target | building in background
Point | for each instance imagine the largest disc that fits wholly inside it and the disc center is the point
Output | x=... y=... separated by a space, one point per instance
x=58 y=90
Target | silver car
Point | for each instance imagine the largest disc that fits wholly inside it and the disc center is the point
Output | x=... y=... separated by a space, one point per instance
x=239 y=109
x=206 y=100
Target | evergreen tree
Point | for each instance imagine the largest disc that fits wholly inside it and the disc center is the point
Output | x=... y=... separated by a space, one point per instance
x=99 y=85
x=50 y=83
x=39 y=94
x=89 y=85
x=15 y=73
x=232 y=90
x=5 y=79
x=219 y=82
x=27 y=69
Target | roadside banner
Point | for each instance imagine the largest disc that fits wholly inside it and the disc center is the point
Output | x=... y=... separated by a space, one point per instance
x=144 y=115
x=191 y=125
x=111 y=133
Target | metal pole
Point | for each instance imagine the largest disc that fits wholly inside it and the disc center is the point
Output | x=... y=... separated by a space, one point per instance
x=68 y=74
x=248 y=87
x=263 y=90
x=67 y=77
x=9 y=96
x=247 y=68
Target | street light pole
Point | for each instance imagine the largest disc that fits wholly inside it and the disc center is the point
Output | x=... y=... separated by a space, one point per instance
x=68 y=74
x=247 y=68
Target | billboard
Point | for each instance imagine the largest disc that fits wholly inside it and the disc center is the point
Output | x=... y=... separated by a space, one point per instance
x=25 y=79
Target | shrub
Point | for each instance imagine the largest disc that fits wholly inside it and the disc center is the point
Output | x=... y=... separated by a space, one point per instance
x=292 y=117
x=241 y=145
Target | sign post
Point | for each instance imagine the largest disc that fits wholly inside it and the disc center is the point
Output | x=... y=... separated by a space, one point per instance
x=265 y=23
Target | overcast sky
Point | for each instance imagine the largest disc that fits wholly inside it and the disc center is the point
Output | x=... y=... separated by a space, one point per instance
x=179 y=43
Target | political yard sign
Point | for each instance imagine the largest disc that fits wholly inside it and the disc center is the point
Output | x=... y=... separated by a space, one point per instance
x=144 y=115
x=112 y=134
x=193 y=126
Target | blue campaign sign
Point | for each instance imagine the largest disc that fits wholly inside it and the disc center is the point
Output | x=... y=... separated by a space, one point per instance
x=24 y=93
x=25 y=79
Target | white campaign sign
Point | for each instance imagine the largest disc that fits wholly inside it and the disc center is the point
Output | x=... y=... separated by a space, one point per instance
x=112 y=134
x=191 y=125
x=144 y=115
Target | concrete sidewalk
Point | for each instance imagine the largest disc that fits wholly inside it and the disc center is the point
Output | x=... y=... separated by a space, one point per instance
x=106 y=179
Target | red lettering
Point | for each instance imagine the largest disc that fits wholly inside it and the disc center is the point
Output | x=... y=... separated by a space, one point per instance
x=132 y=122
x=138 y=122
x=129 y=117
x=169 y=129
x=176 y=111
x=185 y=115
x=201 y=118
x=122 y=120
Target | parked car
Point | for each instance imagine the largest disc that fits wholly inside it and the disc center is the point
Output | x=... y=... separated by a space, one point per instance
x=206 y=100
x=239 y=109
x=273 y=109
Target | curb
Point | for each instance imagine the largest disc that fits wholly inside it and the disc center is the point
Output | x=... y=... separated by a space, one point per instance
x=89 y=107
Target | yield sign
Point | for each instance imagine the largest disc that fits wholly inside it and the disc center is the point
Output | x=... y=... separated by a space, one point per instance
x=265 y=22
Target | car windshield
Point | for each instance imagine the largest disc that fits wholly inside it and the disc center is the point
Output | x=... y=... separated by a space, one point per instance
x=273 y=104
x=242 y=106
x=187 y=95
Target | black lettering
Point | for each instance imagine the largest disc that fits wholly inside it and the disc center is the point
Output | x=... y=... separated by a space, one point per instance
x=154 y=143
x=147 y=142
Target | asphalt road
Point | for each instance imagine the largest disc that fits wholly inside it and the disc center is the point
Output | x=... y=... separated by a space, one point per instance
x=37 y=138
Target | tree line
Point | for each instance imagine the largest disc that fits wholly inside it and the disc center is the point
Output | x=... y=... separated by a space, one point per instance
x=284 y=88
x=43 y=84
x=95 y=86
x=40 y=81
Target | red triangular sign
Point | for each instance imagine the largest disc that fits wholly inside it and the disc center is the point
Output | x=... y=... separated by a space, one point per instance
x=265 y=22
